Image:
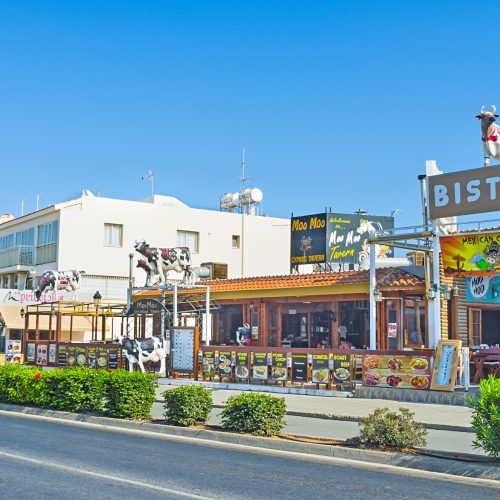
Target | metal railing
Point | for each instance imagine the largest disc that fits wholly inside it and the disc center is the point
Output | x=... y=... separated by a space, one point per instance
x=22 y=255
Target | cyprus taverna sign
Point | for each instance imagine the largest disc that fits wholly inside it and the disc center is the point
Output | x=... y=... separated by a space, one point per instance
x=466 y=192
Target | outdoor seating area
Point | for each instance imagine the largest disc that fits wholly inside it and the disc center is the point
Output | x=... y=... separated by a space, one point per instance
x=486 y=362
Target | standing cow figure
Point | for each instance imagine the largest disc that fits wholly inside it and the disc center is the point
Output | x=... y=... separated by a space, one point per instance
x=490 y=134
x=59 y=280
x=163 y=260
x=142 y=350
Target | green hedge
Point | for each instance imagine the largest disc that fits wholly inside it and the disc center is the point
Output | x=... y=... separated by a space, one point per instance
x=117 y=394
x=188 y=405
x=130 y=394
x=256 y=413
x=390 y=430
x=486 y=416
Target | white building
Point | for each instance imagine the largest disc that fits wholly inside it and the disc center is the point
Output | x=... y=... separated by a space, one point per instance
x=96 y=235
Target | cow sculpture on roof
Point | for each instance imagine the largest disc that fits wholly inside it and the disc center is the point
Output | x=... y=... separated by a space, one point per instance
x=59 y=280
x=490 y=134
x=163 y=260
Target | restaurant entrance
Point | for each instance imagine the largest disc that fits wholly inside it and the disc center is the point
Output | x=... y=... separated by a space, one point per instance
x=484 y=326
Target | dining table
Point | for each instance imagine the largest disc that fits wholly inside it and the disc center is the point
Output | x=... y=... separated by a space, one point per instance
x=484 y=360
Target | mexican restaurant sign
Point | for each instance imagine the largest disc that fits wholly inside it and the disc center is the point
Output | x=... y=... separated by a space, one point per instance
x=474 y=254
x=466 y=192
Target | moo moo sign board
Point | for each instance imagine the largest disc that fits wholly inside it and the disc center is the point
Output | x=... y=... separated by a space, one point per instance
x=466 y=192
x=308 y=239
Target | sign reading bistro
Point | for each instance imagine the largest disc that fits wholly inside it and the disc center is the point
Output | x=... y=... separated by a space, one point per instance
x=465 y=192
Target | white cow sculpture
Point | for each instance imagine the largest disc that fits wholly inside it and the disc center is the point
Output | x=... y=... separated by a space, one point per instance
x=142 y=350
x=59 y=280
x=490 y=134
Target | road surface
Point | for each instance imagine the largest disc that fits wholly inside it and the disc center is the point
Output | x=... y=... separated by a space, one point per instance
x=42 y=459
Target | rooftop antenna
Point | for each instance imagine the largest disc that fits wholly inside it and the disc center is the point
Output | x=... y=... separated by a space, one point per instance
x=150 y=176
x=38 y=201
x=243 y=179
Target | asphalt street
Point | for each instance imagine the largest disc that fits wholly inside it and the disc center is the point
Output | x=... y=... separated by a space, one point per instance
x=46 y=459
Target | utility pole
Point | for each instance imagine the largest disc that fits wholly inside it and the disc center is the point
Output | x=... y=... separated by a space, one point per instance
x=242 y=215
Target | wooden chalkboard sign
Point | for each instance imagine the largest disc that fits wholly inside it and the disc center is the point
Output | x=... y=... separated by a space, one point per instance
x=444 y=373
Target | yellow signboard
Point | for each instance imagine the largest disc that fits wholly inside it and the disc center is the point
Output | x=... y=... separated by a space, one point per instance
x=474 y=254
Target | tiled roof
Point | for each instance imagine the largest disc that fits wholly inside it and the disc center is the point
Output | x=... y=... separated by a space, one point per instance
x=386 y=278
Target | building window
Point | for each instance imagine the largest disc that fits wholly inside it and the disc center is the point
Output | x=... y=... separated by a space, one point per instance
x=188 y=239
x=113 y=235
x=47 y=233
x=236 y=241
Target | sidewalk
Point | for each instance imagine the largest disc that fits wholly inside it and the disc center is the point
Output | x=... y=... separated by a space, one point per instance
x=443 y=417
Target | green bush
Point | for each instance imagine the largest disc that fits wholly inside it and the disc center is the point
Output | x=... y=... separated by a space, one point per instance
x=19 y=384
x=486 y=416
x=389 y=430
x=188 y=405
x=256 y=413
x=130 y=395
x=76 y=389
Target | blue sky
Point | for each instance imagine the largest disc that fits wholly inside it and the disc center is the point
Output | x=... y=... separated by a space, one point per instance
x=337 y=103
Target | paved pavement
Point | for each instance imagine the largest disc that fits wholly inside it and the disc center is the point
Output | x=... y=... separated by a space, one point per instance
x=45 y=459
x=445 y=415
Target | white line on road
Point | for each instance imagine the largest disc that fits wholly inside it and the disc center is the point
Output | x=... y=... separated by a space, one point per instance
x=107 y=477
x=345 y=462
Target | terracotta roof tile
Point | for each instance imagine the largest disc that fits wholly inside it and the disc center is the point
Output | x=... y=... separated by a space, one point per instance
x=386 y=278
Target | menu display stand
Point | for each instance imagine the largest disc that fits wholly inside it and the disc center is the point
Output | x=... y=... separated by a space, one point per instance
x=184 y=350
x=444 y=373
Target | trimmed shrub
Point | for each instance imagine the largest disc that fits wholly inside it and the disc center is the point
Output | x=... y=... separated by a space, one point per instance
x=20 y=384
x=188 y=405
x=256 y=413
x=74 y=389
x=390 y=430
x=486 y=416
x=130 y=395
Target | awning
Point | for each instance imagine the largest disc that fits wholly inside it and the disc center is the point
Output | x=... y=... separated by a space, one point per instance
x=12 y=317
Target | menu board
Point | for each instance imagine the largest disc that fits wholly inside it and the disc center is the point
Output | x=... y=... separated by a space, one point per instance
x=81 y=356
x=259 y=360
x=341 y=368
x=41 y=354
x=61 y=357
x=52 y=353
x=225 y=363
x=183 y=348
x=71 y=357
x=398 y=370
x=279 y=366
x=208 y=364
x=13 y=351
x=31 y=350
x=320 y=368
x=299 y=367
x=446 y=364
x=91 y=357
x=101 y=358
x=241 y=364
x=113 y=358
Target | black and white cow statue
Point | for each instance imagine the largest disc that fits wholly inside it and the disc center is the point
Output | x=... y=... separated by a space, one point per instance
x=163 y=260
x=59 y=280
x=143 y=264
x=142 y=350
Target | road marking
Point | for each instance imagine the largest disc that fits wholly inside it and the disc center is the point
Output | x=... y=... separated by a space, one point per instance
x=53 y=465
x=394 y=469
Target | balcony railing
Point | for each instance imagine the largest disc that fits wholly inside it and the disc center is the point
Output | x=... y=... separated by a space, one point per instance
x=26 y=255
x=46 y=253
x=22 y=255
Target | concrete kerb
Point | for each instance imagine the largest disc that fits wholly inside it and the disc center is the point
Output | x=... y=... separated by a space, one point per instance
x=489 y=470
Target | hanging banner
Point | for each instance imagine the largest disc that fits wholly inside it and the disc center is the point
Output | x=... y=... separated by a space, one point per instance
x=308 y=239
x=474 y=254
x=347 y=234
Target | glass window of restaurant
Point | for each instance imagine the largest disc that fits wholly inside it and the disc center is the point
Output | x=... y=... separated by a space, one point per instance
x=414 y=322
x=227 y=320
x=304 y=325
x=354 y=326
x=484 y=326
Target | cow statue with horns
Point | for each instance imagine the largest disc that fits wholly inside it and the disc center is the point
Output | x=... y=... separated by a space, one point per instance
x=59 y=280
x=490 y=134
x=162 y=260
x=139 y=351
